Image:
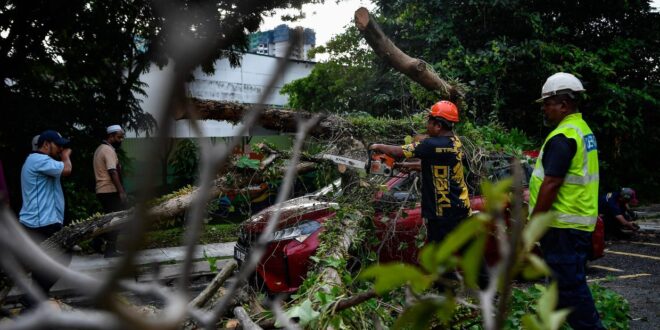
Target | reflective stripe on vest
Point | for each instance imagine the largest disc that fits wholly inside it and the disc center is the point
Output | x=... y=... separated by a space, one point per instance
x=576 y=204
x=577 y=219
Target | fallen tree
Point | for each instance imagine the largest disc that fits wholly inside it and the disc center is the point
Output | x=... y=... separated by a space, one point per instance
x=170 y=206
x=281 y=120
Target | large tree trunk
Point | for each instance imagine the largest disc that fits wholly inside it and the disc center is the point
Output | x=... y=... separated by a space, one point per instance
x=281 y=120
x=414 y=68
x=73 y=234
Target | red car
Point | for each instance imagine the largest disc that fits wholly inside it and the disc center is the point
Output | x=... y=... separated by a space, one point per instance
x=287 y=258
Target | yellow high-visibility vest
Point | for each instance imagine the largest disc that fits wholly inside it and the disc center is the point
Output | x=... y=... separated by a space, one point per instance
x=576 y=205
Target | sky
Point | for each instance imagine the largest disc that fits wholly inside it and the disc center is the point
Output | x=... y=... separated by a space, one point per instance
x=326 y=19
x=330 y=18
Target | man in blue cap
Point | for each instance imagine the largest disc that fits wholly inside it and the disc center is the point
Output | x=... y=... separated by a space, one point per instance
x=42 y=212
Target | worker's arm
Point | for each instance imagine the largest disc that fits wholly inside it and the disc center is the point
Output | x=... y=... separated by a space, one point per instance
x=547 y=194
x=415 y=165
x=394 y=151
x=117 y=182
x=65 y=155
x=627 y=224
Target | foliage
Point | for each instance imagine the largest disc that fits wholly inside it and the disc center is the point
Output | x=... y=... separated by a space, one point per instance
x=496 y=138
x=492 y=137
x=245 y=162
x=211 y=261
x=350 y=82
x=212 y=233
x=611 y=306
x=385 y=127
x=185 y=161
x=503 y=51
x=78 y=71
x=80 y=202
x=314 y=300
x=463 y=248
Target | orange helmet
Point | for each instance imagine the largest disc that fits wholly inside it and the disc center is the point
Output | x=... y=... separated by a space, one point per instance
x=446 y=110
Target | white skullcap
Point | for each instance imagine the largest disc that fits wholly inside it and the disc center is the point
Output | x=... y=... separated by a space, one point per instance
x=113 y=128
x=35 y=142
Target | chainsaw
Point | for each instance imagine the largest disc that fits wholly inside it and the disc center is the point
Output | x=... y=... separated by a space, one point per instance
x=377 y=163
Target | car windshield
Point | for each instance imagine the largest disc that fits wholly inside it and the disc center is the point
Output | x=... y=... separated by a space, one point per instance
x=494 y=167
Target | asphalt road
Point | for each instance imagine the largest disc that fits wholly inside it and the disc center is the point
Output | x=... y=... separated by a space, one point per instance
x=632 y=269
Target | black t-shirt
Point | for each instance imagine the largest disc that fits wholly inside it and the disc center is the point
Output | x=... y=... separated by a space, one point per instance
x=444 y=192
x=557 y=155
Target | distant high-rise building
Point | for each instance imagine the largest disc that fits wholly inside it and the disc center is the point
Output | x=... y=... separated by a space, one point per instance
x=275 y=42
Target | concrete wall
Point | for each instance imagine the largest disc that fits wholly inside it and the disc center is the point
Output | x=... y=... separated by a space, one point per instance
x=242 y=84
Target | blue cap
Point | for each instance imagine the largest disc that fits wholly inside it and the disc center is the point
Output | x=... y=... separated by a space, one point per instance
x=52 y=136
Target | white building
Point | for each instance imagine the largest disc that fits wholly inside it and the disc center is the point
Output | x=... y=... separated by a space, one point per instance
x=275 y=42
x=242 y=84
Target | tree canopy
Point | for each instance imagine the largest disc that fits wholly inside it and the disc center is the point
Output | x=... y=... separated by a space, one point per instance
x=503 y=51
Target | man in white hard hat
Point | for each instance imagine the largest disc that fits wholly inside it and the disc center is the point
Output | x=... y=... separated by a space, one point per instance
x=565 y=182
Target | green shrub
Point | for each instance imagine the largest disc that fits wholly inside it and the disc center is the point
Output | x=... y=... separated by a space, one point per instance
x=611 y=306
x=185 y=160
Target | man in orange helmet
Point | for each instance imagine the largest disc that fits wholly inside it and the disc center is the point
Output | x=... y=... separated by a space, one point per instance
x=445 y=200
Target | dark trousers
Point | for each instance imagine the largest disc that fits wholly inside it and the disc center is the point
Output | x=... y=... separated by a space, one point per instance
x=40 y=234
x=565 y=251
x=438 y=229
x=110 y=202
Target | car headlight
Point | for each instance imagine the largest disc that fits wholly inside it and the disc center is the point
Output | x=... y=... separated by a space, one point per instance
x=299 y=232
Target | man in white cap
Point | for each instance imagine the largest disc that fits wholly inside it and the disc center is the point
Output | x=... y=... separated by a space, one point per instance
x=109 y=189
x=35 y=143
x=565 y=182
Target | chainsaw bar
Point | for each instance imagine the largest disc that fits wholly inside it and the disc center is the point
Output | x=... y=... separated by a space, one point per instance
x=346 y=161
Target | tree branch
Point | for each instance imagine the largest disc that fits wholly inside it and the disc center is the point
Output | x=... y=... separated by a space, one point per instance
x=415 y=69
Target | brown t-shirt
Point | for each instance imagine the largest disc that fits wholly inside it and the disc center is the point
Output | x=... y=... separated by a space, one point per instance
x=105 y=158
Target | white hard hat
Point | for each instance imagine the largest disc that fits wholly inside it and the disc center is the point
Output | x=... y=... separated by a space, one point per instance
x=560 y=83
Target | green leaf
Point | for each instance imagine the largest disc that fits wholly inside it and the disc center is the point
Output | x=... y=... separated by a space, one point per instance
x=547 y=303
x=531 y=322
x=427 y=257
x=558 y=318
x=304 y=312
x=472 y=259
x=391 y=276
x=535 y=267
x=535 y=229
x=447 y=310
x=245 y=162
x=496 y=194
x=436 y=255
x=419 y=315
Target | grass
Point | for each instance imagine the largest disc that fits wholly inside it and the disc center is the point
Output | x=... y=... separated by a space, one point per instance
x=211 y=233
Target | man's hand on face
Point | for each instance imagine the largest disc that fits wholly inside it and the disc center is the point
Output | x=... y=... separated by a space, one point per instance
x=66 y=153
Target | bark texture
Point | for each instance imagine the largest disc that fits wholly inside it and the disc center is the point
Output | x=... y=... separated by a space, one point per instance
x=281 y=120
x=416 y=69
